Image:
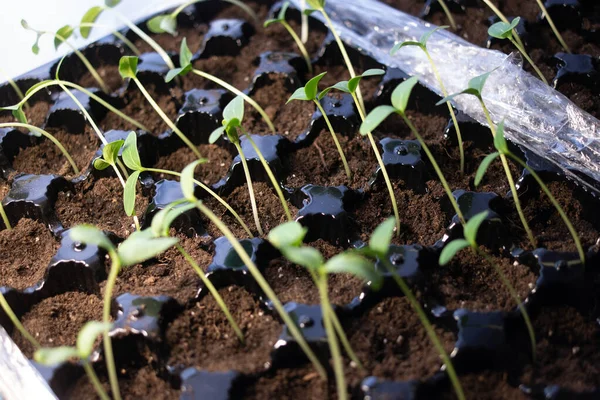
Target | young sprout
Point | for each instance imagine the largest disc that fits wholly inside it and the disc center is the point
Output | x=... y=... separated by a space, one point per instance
x=132 y=160
x=82 y=351
x=128 y=69
x=288 y=238
x=168 y=22
x=379 y=247
x=233 y=116
x=400 y=97
x=475 y=88
x=503 y=18
x=310 y=92
x=351 y=87
x=502 y=148
x=503 y=30
x=61 y=36
x=281 y=19
x=422 y=44
x=187 y=187
x=470 y=232
x=110 y=156
x=552 y=26
x=185 y=62
x=138 y=247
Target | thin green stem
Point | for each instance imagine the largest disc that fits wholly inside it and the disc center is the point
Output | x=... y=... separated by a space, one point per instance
x=237 y=92
x=334 y=347
x=556 y=205
x=335 y=139
x=210 y=192
x=428 y=328
x=529 y=60
x=514 y=295
x=438 y=77
x=7 y=224
x=250 y=188
x=437 y=169
x=267 y=290
x=117 y=34
x=213 y=291
x=554 y=29
x=344 y=339
x=89 y=370
x=15 y=87
x=509 y=177
x=13 y=318
x=85 y=62
x=115 y=268
x=270 y=174
x=300 y=45
x=503 y=18
x=166 y=119
x=448 y=13
x=47 y=135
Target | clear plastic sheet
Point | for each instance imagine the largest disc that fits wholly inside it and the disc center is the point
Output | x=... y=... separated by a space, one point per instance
x=536 y=116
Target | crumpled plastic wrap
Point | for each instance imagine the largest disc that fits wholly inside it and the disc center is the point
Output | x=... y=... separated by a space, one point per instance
x=536 y=116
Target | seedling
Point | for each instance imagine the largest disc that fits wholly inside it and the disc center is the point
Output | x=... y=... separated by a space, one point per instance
x=475 y=88
x=168 y=22
x=14 y=85
x=61 y=36
x=378 y=248
x=502 y=148
x=502 y=30
x=470 y=232
x=400 y=97
x=233 y=116
x=185 y=62
x=281 y=20
x=138 y=247
x=444 y=6
x=422 y=44
x=110 y=156
x=82 y=351
x=553 y=27
x=288 y=238
x=187 y=187
x=310 y=92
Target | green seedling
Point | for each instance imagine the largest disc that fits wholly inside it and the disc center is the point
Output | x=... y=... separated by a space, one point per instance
x=502 y=148
x=187 y=187
x=422 y=44
x=288 y=238
x=167 y=23
x=503 y=18
x=185 y=62
x=475 y=88
x=281 y=20
x=233 y=116
x=448 y=14
x=351 y=88
x=378 y=248
x=138 y=247
x=310 y=92
x=502 y=30
x=470 y=232
x=110 y=157
x=13 y=85
x=552 y=26
x=400 y=97
x=82 y=351
x=61 y=36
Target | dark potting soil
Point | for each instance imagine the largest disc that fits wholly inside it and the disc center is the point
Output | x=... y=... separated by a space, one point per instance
x=36 y=114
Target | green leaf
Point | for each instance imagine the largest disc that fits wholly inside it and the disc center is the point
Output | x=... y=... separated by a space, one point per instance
x=476 y=84
x=309 y=11
x=88 y=335
x=316 y=4
x=270 y=22
x=375 y=117
x=100 y=164
x=35 y=48
x=130 y=154
x=216 y=134
x=307 y=257
x=163 y=23
x=128 y=66
x=499 y=140
x=162 y=220
x=354 y=264
x=324 y=92
x=61 y=35
x=398 y=46
x=312 y=86
x=502 y=30
x=483 y=167
x=299 y=94
x=423 y=40
x=185 y=54
x=341 y=86
x=401 y=94
x=129 y=193
x=451 y=249
x=187 y=181
x=140 y=246
x=89 y=17
x=110 y=151
x=55 y=355
x=20 y=115
x=111 y=3
x=287 y=234
x=153 y=24
x=25 y=24
x=472 y=226
x=353 y=83
x=283 y=10
x=89 y=234
x=382 y=237
x=177 y=71
x=234 y=111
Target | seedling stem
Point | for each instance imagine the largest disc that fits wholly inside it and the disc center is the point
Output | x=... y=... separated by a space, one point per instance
x=13 y=318
x=7 y=224
x=89 y=370
x=554 y=29
x=335 y=139
x=448 y=13
x=250 y=188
